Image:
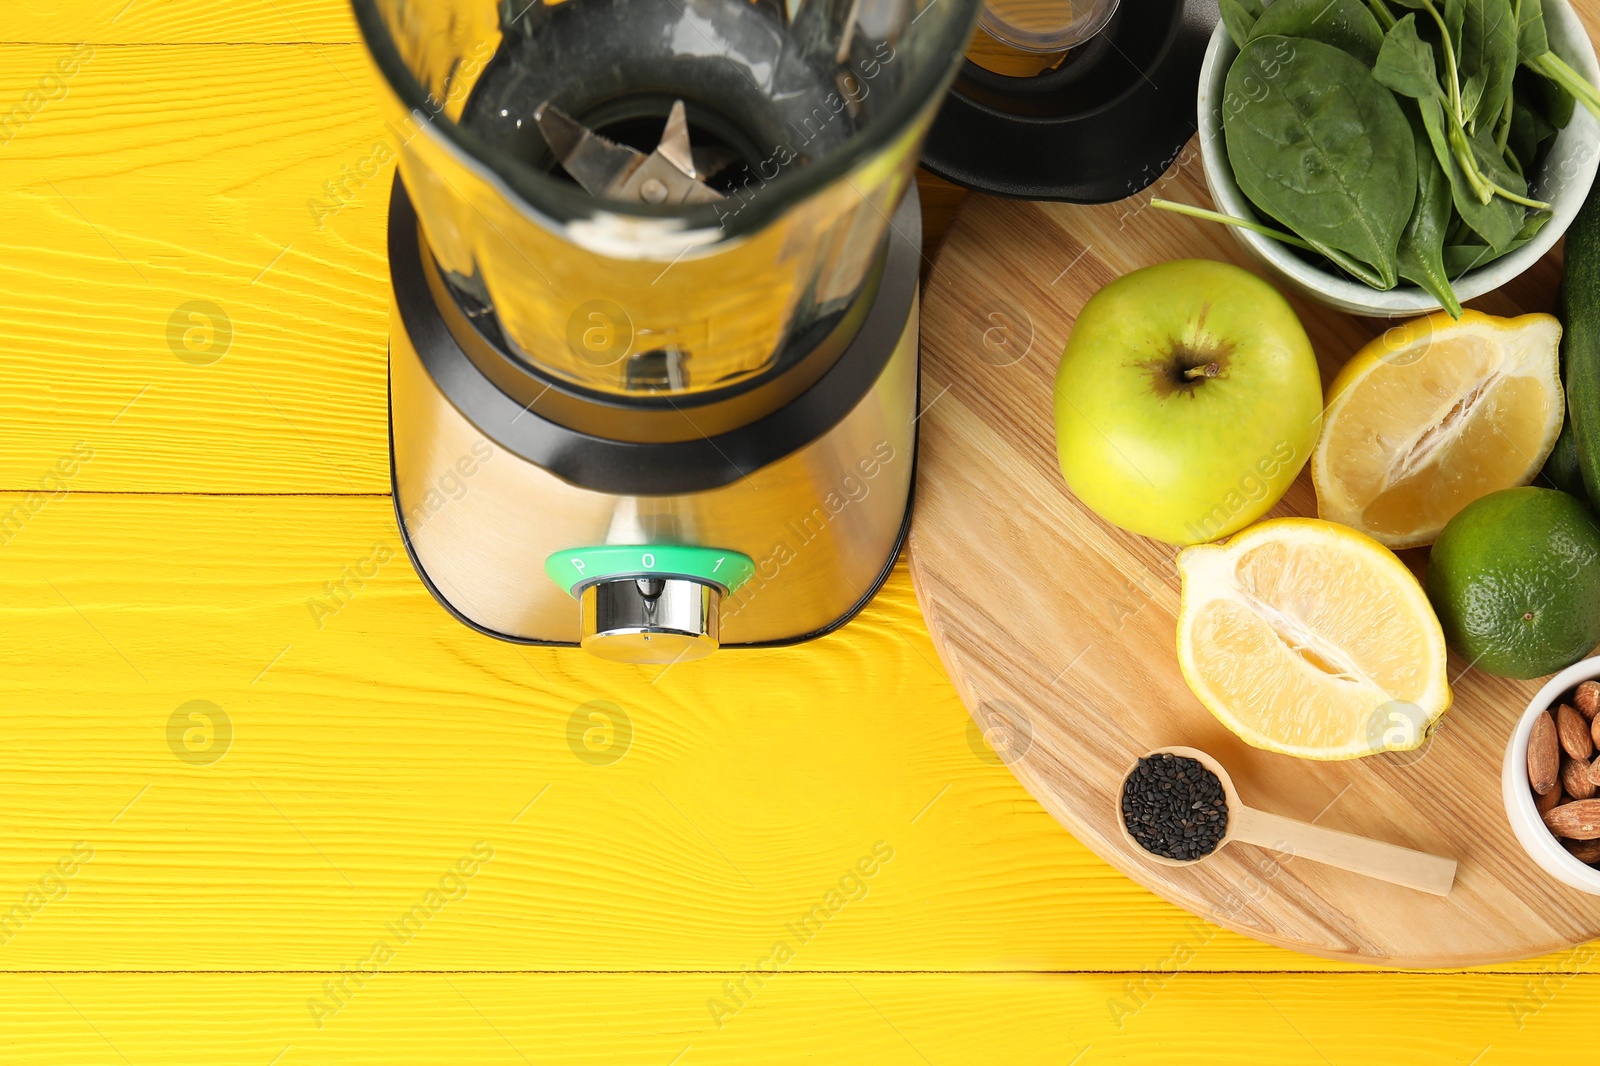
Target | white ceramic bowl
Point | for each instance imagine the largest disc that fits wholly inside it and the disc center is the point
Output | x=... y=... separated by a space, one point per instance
x=1569 y=170
x=1535 y=839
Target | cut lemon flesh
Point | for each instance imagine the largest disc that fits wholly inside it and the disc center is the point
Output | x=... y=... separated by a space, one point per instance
x=1431 y=416
x=1307 y=638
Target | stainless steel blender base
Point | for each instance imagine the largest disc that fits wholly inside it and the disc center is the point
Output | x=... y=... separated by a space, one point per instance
x=823 y=523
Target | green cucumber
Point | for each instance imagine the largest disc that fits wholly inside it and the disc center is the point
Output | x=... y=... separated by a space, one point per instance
x=1562 y=470
x=1580 y=338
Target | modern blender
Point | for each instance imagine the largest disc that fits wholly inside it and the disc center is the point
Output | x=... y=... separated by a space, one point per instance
x=653 y=356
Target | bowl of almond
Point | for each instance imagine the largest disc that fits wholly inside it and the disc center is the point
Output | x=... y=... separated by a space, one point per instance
x=1551 y=777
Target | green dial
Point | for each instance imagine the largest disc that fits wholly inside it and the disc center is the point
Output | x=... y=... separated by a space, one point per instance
x=576 y=567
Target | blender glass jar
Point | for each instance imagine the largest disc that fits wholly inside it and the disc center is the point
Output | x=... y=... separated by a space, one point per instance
x=625 y=244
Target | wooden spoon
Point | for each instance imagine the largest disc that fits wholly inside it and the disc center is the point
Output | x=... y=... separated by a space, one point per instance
x=1374 y=858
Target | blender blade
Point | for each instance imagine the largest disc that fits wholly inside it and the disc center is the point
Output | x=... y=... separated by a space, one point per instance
x=593 y=161
x=605 y=168
x=674 y=146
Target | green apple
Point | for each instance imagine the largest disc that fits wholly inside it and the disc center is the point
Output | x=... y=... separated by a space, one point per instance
x=1187 y=401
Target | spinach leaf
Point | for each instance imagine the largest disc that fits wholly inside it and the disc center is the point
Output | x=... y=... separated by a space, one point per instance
x=1528 y=135
x=1346 y=24
x=1319 y=145
x=1546 y=97
x=1460 y=258
x=1498 y=220
x=1240 y=17
x=1421 y=251
x=1492 y=164
x=1533 y=51
x=1561 y=104
x=1531 y=39
x=1486 y=58
x=1472 y=94
x=1455 y=16
x=1530 y=229
x=1405 y=63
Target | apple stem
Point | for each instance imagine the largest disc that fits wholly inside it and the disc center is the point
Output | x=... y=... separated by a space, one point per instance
x=1209 y=370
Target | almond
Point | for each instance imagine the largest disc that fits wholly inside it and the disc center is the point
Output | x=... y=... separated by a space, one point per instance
x=1594 y=731
x=1574 y=733
x=1587 y=699
x=1583 y=850
x=1550 y=799
x=1575 y=779
x=1579 y=820
x=1544 y=754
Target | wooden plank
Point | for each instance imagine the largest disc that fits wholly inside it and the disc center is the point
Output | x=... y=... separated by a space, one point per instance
x=171 y=175
x=179 y=21
x=368 y=755
x=890 y=1019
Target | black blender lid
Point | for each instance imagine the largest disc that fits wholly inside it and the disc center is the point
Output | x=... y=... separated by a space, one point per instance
x=1100 y=127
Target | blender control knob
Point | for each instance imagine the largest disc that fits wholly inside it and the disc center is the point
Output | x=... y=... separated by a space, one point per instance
x=650 y=619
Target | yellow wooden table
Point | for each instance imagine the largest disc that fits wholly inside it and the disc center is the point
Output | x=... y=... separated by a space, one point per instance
x=261 y=804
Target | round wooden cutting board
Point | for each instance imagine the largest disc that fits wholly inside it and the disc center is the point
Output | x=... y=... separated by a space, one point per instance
x=1059 y=629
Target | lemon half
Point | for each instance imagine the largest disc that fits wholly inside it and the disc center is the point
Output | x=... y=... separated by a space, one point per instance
x=1434 y=414
x=1307 y=638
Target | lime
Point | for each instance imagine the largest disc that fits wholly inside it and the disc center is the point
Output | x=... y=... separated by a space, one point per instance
x=1515 y=580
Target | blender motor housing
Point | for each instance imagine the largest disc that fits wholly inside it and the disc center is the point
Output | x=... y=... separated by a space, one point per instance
x=816 y=495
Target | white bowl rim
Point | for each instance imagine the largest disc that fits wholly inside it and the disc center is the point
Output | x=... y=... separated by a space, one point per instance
x=1514 y=779
x=1348 y=294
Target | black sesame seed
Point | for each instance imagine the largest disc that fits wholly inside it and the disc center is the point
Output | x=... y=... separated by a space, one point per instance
x=1174 y=807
